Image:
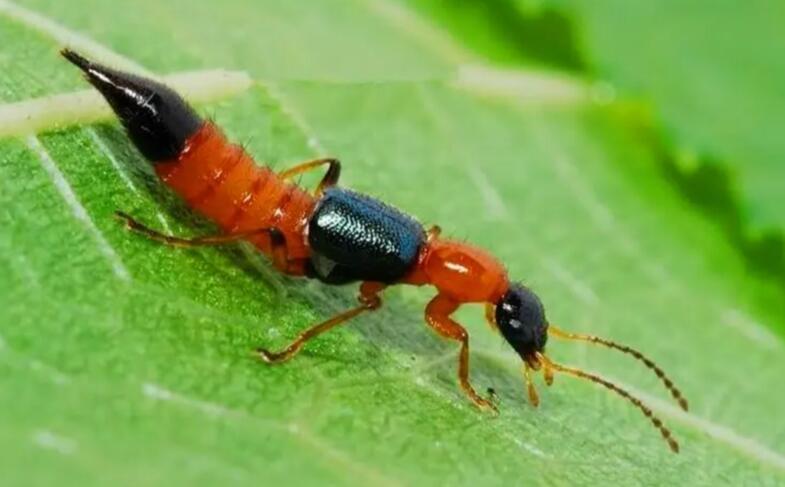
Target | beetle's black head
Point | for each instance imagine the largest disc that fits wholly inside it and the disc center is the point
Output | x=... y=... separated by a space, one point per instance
x=520 y=317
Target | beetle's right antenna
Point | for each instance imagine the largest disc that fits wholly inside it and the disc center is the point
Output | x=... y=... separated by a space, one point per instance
x=548 y=364
x=675 y=392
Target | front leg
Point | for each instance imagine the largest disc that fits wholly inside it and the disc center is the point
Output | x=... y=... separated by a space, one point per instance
x=437 y=315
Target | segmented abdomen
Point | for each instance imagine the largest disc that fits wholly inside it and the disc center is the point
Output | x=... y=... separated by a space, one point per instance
x=221 y=181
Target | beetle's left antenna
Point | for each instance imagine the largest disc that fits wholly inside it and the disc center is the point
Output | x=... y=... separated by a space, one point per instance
x=646 y=410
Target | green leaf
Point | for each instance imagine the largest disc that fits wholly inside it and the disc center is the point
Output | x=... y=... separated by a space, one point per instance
x=130 y=363
x=714 y=73
x=703 y=81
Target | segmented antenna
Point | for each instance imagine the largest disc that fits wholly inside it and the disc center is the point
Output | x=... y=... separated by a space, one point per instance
x=675 y=392
x=656 y=421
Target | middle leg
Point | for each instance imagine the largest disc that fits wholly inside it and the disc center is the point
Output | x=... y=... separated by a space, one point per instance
x=369 y=301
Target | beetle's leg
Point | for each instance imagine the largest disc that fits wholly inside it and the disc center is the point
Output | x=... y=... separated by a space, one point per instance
x=434 y=232
x=280 y=255
x=330 y=177
x=137 y=227
x=279 y=252
x=369 y=301
x=437 y=315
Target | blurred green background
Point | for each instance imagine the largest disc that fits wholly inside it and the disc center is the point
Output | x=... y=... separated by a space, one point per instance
x=623 y=159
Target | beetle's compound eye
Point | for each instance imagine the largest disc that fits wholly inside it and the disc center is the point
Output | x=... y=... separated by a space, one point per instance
x=520 y=317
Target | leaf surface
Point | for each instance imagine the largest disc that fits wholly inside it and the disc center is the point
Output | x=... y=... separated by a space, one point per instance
x=127 y=362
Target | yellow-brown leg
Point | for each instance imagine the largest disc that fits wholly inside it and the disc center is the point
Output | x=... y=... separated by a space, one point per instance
x=434 y=232
x=437 y=315
x=330 y=177
x=137 y=227
x=369 y=301
x=280 y=255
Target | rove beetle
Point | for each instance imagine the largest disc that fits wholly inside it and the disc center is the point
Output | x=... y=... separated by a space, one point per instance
x=335 y=235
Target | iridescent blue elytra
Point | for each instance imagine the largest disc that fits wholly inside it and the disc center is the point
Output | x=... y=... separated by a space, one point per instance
x=354 y=237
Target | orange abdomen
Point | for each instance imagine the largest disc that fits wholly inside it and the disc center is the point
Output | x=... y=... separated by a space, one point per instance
x=222 y=182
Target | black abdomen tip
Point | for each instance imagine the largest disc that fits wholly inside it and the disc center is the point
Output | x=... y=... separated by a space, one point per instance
x=75 y=58
x=158 y=120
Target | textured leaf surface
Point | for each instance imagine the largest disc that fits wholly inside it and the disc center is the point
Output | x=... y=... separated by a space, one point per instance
x=714 y=73
x=129 y=363
x=702 y=78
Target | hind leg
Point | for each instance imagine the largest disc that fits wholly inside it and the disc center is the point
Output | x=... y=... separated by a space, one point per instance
x=330 y=177
x=279 y=253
